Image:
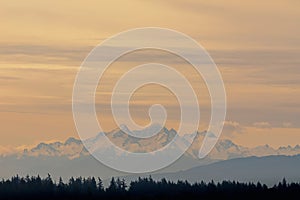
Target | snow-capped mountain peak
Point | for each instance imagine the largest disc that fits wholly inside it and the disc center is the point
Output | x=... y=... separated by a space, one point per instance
x=224 y=149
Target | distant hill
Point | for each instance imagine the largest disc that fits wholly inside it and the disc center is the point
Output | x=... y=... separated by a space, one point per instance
x=269 y=170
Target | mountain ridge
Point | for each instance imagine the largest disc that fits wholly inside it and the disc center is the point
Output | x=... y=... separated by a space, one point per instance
x=223 y=150
x=268 y=170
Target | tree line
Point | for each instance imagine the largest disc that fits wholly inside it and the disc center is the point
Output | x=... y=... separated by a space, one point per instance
x=36 y=187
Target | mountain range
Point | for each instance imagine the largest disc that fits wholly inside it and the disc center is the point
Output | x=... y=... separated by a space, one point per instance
x=71 y=158
x=223 y=150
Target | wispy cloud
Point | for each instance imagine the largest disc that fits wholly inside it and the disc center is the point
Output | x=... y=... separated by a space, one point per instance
x=262 y=125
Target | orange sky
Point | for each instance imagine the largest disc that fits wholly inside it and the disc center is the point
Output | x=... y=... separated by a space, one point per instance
x=256 y=45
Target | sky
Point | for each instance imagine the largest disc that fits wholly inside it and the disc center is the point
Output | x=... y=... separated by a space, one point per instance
x=255 y=44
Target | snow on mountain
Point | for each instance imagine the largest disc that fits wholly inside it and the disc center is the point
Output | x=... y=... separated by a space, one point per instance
x=72 y=148
x=225 y=149
x=134 y=144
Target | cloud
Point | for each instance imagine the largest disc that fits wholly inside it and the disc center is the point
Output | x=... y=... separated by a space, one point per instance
x=5 y=151
x=231 y=128
x=49 y=54
x=262 y=125
x=8 y=78
x=287 y=124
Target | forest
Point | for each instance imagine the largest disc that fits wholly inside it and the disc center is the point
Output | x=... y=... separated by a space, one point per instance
x=143 y=188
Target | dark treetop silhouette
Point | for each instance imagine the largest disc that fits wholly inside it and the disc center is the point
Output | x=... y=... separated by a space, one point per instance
x=143 y=188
